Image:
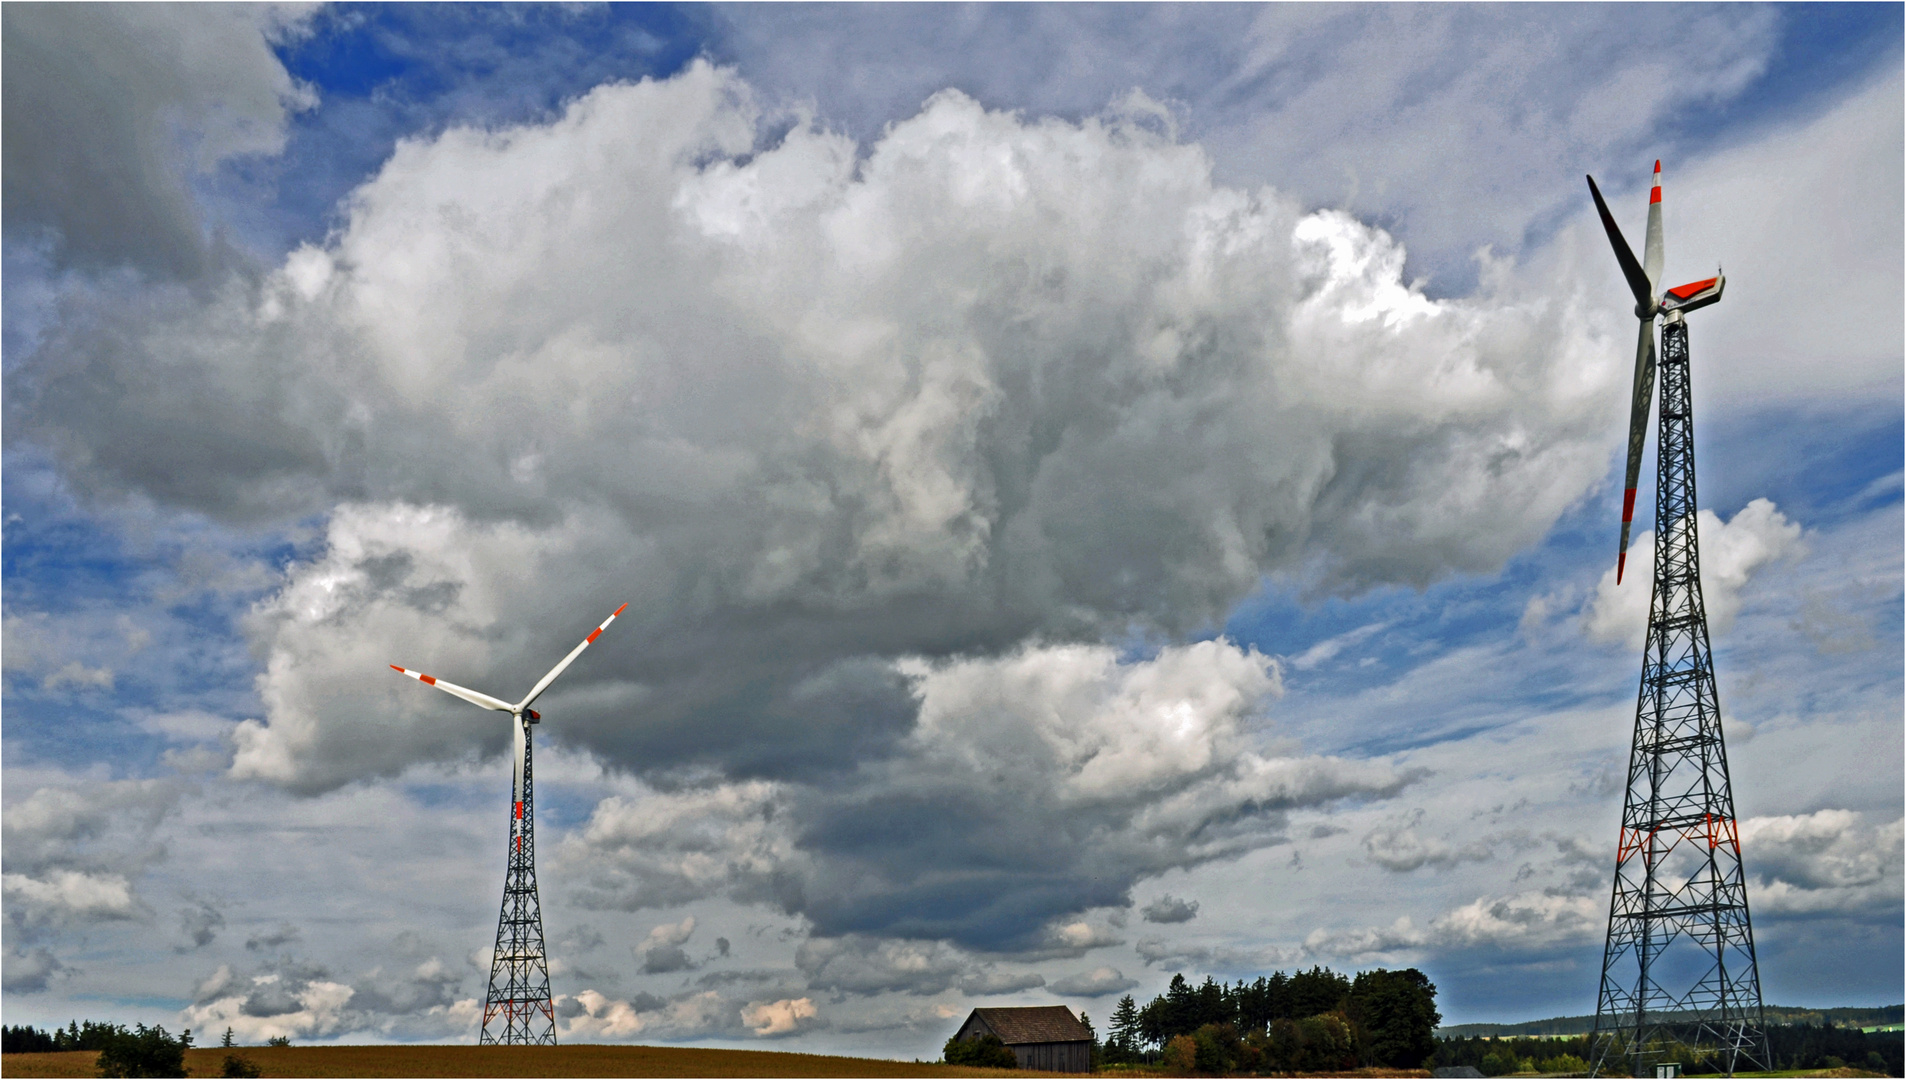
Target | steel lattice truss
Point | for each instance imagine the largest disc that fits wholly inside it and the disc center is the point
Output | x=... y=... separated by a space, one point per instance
x=517 y=1008
x=1678 y=971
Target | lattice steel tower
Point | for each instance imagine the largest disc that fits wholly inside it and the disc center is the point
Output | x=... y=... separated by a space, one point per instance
x=517 y=1008
x=1679 y=977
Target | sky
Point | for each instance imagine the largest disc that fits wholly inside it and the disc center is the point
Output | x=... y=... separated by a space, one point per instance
x=1101 y=492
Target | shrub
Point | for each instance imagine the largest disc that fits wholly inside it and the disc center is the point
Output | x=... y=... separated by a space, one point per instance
x=1181 y=1055
x=1499 y=1063
x=278 y=1040
x=985 y=1052
x=1565 y=1063
x=238 y=1066
x=144 y=1051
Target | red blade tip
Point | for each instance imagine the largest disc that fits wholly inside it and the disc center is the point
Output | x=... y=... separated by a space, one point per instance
x=1621 y=563
x=620 y=610
x=1657 y=166
x=397 y=669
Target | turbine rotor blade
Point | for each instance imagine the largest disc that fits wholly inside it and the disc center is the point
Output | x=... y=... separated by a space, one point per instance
x=1637 y=277
x=1637 y=434
x=543 y=683
x=471 y=696
x=1651 y=250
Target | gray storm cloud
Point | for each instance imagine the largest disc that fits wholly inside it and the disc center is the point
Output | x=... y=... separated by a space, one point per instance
x=111 y=108
x=878 y=442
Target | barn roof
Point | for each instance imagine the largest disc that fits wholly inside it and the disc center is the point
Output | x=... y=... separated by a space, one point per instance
x=1036 y=1024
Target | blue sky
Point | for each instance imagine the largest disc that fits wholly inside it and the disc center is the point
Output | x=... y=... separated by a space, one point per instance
x=1059 y=459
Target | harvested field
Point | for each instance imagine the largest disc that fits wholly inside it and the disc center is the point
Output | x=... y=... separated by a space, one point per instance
x=507 y=1061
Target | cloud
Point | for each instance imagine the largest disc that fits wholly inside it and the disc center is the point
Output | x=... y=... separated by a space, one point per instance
x=1465 y=127
x=1098 y=982
x=994 y=378
x=75 y=849
x=402 y=997
x=1525 y=921
x=200 y=922
x=865 y=965
x=662 y=951
x=29 y=971
x=769 y=1019
x=288 y=1001
x=1034 y=788
x=112 y=111
x=1396 y=845
x=1829 y=862
x=1731 y=552
x=1170 y=909
x=591 y=1016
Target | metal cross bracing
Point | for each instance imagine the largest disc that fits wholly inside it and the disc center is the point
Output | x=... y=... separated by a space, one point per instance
x=1679 y=976
x=517 y=1008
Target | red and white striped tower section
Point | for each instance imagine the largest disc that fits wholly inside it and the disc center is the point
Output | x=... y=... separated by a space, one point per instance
x=1680 y=980
x=518 y=1007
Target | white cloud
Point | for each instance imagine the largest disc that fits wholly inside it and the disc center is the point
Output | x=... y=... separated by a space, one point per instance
x=773 y=1018
x=68 y=896
x=1829 y=862
x=314 y=1009
x=1026 y=376
x=1398 y=845
x=1526 y=921
x=864 y=965
x=1731 y=553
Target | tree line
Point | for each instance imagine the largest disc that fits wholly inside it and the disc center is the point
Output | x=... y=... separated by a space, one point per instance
x=1305 y=1021
x=1794 y=1046
x=124 y=1051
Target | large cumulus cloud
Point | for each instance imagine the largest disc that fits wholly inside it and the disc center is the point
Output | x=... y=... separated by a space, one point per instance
x=880 y=443
x=996 y=377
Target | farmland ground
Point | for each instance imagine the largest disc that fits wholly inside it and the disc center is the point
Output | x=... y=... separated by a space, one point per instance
x=328 y=1061
x=634 y=1061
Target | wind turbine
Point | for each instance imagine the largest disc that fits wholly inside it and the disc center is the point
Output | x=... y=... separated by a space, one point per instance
x=1675 y=303
x=1679 y=965
x=519 y=970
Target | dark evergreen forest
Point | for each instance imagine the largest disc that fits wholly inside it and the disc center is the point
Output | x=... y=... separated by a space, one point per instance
x=1305 y=1021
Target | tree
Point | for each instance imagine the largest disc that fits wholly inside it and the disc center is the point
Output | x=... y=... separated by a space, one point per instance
x=1319 y=990
x=227 y=1040
x=145 y=1051
x=1397 y=1011
x=1097 y=1055
x=1122 y=1047
x=985 y=1052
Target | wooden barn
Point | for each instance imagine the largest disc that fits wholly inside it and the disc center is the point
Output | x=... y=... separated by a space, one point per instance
x=1046 y=1037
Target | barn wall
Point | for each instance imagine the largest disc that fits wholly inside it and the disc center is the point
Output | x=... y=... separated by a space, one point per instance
x=1067 y=1057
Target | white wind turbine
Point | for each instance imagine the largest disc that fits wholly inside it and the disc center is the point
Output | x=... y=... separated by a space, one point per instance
x=519 y=970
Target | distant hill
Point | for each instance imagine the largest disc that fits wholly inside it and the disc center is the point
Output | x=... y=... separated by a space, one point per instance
x=1776 y=1014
